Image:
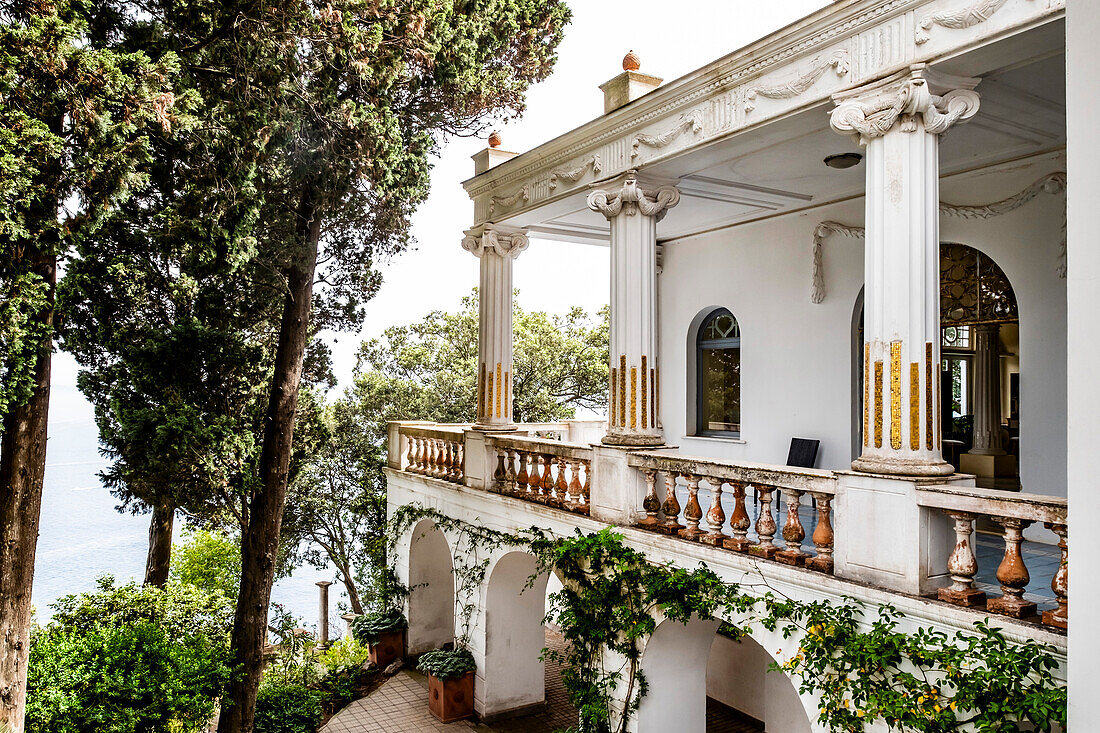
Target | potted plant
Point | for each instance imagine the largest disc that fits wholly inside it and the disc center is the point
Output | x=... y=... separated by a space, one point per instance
x=450 y=683
x=384 y=633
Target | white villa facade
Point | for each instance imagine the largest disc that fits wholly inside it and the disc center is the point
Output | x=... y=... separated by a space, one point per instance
x=853 y=231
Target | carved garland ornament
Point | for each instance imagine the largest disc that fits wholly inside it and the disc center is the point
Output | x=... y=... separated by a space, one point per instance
x=692 y=120
x=789 y=89
x=505 y=244
x=507 y=202
x=632 y=198
x=574 y=174
x=1052 y=183
x=971 y=15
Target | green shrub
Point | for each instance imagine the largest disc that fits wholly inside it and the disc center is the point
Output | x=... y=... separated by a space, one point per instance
x=343 y=653
x=368 y=627
x=283 y=707
x=208 y=560
x=443 y=664
x=129 y=659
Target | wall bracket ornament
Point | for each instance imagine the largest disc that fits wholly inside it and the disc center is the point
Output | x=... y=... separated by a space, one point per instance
x=1052 y=183
x=966 y=17
x=901 y=99
x=839 y=61
x=573 y=174
x=633 y=197
x=692 y=120
x=504 y=242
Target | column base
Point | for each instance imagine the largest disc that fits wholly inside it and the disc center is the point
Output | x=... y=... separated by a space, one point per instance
x=988 y=465
x=902 y=466
x=969 y=598
x=1011 y=606
x=494 y=428
x=646 y=441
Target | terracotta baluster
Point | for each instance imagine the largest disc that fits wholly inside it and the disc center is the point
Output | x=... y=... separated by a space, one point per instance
x=1060 y=583
x=547 y=482
x=425 y=457
x=499 y=475
x=458 y=469
x=445 y=459
x=410 y=455
x=765 y=526
x=671 y=507
x=650 y=503
x=693 y=513
x=522 y=478
x=739 y=520
x=793 y=531
x=586 y=489
x=962 y=565
x=510 y=471
x=1012 y=572
x=575 y=484
x=716 y=516
x=823 y=535
x=561 y=486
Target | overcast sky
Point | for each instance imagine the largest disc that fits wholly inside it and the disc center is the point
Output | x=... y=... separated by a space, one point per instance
x=671 y=39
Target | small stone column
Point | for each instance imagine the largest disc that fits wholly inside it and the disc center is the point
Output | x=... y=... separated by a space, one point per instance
x=322 y=624
x=633 y=206
x=496 y=247
x=899 y=120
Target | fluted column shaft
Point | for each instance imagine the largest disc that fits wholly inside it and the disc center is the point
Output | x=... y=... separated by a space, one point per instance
x=496 y=248
x=633 y=209
x=987 y=390
x=899 y=121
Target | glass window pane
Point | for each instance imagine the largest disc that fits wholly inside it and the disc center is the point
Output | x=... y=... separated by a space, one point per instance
x=720 y=390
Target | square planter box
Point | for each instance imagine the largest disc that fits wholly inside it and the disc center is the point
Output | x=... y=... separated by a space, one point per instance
x=390 y=646
x=451 y=699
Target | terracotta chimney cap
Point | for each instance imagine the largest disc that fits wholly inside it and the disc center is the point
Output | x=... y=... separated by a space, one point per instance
x=494 y=139
x=631 y=62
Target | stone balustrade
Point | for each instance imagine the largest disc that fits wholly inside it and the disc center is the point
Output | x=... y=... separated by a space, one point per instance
x=547 y=472
x=763 y=482
x=438 y=452
x=1013 y=512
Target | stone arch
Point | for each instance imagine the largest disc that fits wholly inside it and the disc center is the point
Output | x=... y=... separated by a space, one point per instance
x=513 y=674
x=432 y=594
x=685 y=664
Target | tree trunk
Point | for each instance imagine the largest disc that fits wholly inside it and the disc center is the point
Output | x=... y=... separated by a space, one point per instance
x=159 y=560
x=22 y=467
x=349 y=586
x=260 y=544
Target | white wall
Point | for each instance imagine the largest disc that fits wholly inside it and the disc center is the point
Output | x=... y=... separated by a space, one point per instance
x=431 y=601
x=735 y=675
x=796 y=357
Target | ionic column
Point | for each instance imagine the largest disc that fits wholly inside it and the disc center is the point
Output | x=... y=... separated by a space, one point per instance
x=987 y=390
x=496 y=247
x=633 y=207
x=899 y=121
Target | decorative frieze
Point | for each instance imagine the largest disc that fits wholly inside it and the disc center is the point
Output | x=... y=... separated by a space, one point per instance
x=966 y=17
x=692 y=120
x=506 y=202
x=839 y=61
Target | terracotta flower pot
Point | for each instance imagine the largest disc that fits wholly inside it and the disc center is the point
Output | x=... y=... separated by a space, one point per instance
x=451 y=699
x=389 y=646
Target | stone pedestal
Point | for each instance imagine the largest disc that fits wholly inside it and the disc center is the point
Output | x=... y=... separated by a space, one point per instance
x=496 y=247
x=633 y=207
x=617 y=489
x=898 y=120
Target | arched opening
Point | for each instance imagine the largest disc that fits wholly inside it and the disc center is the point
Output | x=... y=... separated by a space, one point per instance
x=702 y=680
x=980 y=367
x=431 y=599
x=716 y=347
x=514 y=675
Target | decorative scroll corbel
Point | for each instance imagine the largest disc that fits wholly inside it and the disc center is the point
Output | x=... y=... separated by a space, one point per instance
x=824 y=229
x=693 y=120
x=574 y=174
x=971 y=15
x=839 y=61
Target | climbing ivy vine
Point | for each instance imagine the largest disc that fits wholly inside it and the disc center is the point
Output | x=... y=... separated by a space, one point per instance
x=855 y=658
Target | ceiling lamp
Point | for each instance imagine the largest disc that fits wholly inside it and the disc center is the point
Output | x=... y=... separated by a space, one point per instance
x=843 y=160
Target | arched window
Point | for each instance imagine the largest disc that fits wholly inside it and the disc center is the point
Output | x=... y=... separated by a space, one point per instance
x=718 y=356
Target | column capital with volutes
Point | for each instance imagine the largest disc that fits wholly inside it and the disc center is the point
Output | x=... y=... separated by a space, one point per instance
x=506 y=242
x=940 y=100
x=631 y=194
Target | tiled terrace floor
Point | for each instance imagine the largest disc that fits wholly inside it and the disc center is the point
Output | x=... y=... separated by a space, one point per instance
x=401 y=706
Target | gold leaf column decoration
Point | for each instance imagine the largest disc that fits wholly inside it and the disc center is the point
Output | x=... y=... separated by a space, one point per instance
x=895 y=395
